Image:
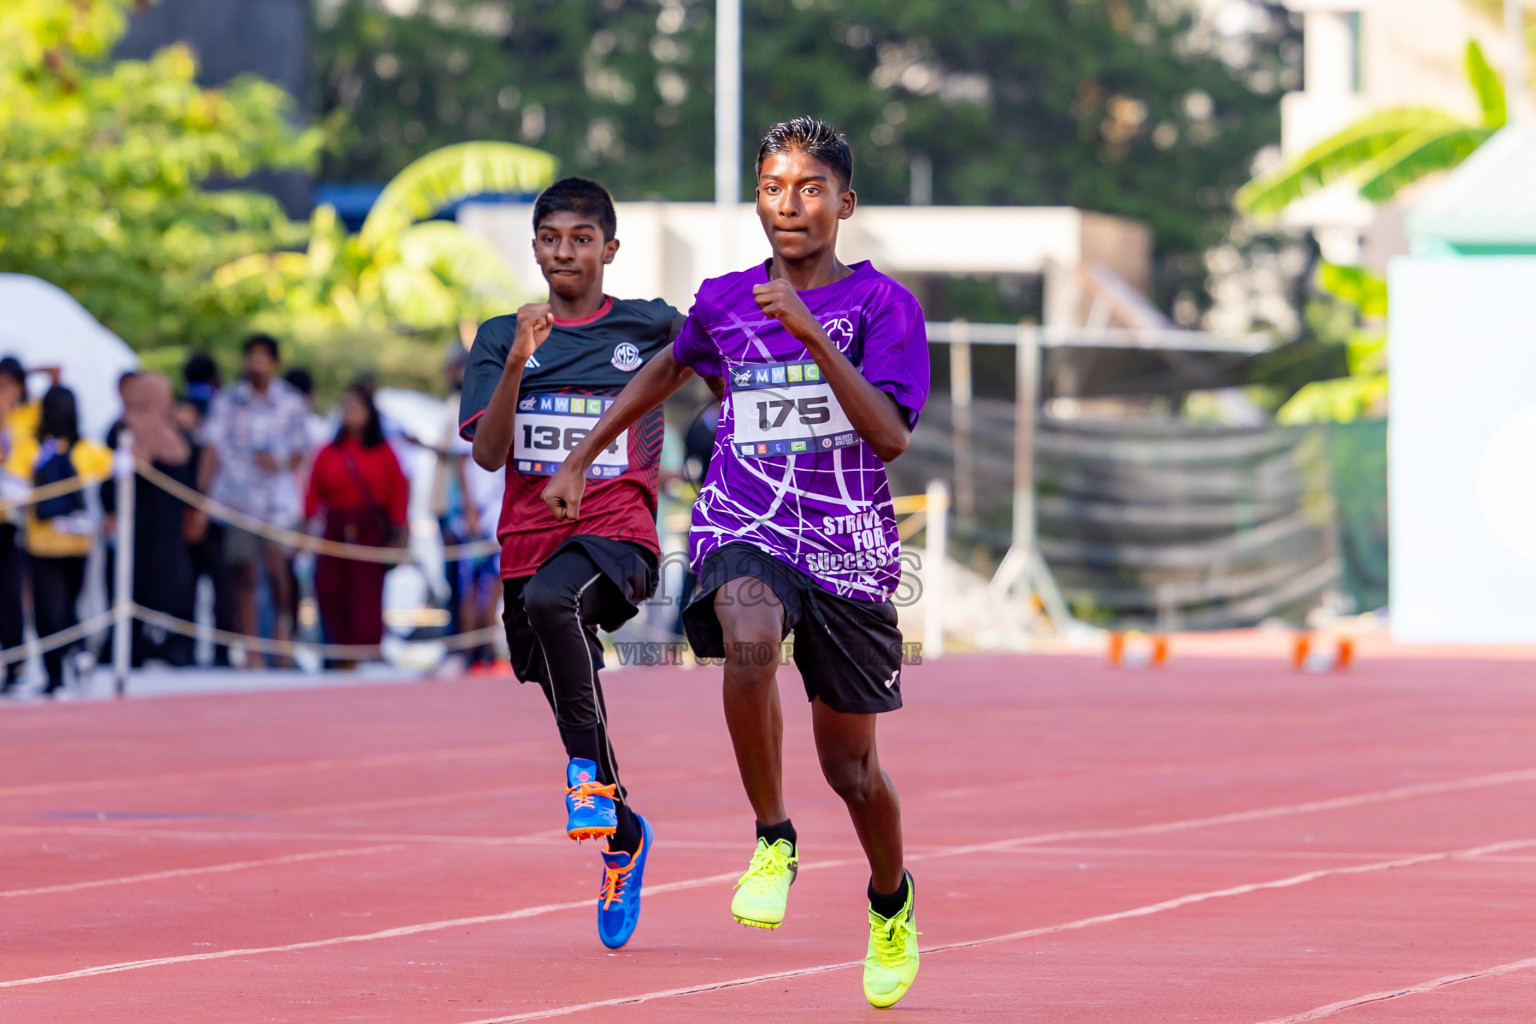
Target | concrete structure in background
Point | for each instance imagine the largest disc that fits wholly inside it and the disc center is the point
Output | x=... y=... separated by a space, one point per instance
x=1093 y=263
x=1462 y=441
x=1362 y=56
x=269 y=38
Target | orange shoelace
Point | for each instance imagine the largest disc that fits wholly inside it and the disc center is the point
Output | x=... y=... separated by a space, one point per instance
x=584 y=793
x=615 y=882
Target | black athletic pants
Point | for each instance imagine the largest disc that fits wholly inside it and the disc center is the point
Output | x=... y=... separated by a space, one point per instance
x=552 y=619
x=12 y=620
x=56 y=586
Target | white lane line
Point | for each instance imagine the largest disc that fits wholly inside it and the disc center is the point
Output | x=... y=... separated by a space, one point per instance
x=1256 y=814
x=1412 y=990
x=342 y=940
x=1235 y=817
x=210 y=869
x=1086 y=922
x=1401 y=792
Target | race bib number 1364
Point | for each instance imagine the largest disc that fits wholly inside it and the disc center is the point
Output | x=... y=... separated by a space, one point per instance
x=549 y=427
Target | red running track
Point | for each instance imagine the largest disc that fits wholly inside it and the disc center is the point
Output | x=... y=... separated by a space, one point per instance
x=1221 y=841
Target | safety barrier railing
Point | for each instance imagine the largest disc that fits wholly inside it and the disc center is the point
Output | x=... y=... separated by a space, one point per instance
x=921 y=512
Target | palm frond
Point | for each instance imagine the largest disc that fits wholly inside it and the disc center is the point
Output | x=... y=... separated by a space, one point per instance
x=452 y=173
x=1342 y=400
x=1337 y=157
x=1418 y=156
x=1489 y=86
x=415 y=297
x=458 y=258
x=1357 y=286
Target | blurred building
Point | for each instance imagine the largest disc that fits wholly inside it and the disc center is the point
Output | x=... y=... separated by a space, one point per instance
x=269 y=38
x=1096 y=268
x=1363 y=56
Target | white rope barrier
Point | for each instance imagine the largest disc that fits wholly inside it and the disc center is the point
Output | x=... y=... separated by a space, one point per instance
x=302 y=541
x=63 y=638
x=287 y=648
x=54 y=490
x=918 y=510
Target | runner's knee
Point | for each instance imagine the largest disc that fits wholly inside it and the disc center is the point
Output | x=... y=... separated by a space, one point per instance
x=854 y=777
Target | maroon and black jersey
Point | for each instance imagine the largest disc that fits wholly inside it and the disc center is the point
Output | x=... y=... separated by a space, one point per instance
x=567 y=384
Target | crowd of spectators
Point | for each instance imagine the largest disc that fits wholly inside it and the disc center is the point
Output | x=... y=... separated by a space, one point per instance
x=255 y=448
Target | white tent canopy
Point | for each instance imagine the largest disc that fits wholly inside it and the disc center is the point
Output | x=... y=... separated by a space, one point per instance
x=43 y=326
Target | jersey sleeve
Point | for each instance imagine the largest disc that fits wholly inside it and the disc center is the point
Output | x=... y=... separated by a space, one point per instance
x=896 y=353
x=665 y=322
x=693 y=346
x=487 y=359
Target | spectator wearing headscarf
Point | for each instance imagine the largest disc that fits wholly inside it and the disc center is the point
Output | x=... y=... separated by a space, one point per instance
x=162 y=562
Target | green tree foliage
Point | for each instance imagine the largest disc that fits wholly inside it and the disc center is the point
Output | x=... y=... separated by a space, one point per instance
x=1350 y=316
x=103 y=166
x=400 y=272
x=1387 y=151
x=1122 y=106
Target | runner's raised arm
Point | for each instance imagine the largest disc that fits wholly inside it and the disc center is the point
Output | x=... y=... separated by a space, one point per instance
x=656 y=382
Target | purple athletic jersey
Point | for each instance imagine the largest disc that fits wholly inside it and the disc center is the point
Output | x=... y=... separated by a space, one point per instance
x=789 y=473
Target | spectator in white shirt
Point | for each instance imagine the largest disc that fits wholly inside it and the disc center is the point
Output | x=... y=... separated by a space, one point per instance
x=255 y=443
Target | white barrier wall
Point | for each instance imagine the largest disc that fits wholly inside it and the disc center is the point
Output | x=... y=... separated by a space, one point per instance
x=1462 y=450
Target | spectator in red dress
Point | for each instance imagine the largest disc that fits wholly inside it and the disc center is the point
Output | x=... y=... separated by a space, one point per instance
x=357 y=486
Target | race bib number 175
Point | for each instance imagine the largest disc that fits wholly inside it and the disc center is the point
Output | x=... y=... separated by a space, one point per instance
x=786 y=409
x=549 y=427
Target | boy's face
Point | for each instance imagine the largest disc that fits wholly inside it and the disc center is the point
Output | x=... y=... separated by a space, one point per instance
x=570 y=250
x=800 y=201
x=260 y=366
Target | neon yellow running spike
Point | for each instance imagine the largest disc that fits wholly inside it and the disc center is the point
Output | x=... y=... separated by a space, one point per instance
x=763 y=892
x=890 y=966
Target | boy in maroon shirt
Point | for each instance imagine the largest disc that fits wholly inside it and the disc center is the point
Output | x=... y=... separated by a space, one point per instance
x=535 y=385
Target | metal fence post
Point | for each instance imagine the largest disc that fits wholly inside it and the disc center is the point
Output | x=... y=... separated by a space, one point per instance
x=936 y=559
x=122 y=605
x=963 y=441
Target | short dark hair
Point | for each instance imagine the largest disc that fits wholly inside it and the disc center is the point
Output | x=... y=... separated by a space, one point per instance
x=59 y=418
x=200 y=369
x=578 y=195
x=265 y=341
x=11 y=367
x=814 y=138
x=301 y=380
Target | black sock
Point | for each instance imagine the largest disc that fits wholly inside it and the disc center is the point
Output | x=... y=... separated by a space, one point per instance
x=583 y=743
x=889 y=906
x=773 y=833
x=628 y=836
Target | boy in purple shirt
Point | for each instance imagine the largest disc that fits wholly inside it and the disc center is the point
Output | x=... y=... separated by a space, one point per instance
x=826 y=370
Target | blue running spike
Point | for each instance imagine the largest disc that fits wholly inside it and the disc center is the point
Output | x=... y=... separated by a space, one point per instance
x=590 y=811
x=618 y=901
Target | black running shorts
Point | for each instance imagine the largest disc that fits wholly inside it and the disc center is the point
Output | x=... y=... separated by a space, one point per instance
x=848 y=651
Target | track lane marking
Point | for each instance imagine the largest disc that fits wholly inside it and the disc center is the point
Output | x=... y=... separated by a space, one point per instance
x=342 y=940
x=209 y=869
x=694 y=883
x=1148 y=910
x=1412 y=990
x=1235 y=817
